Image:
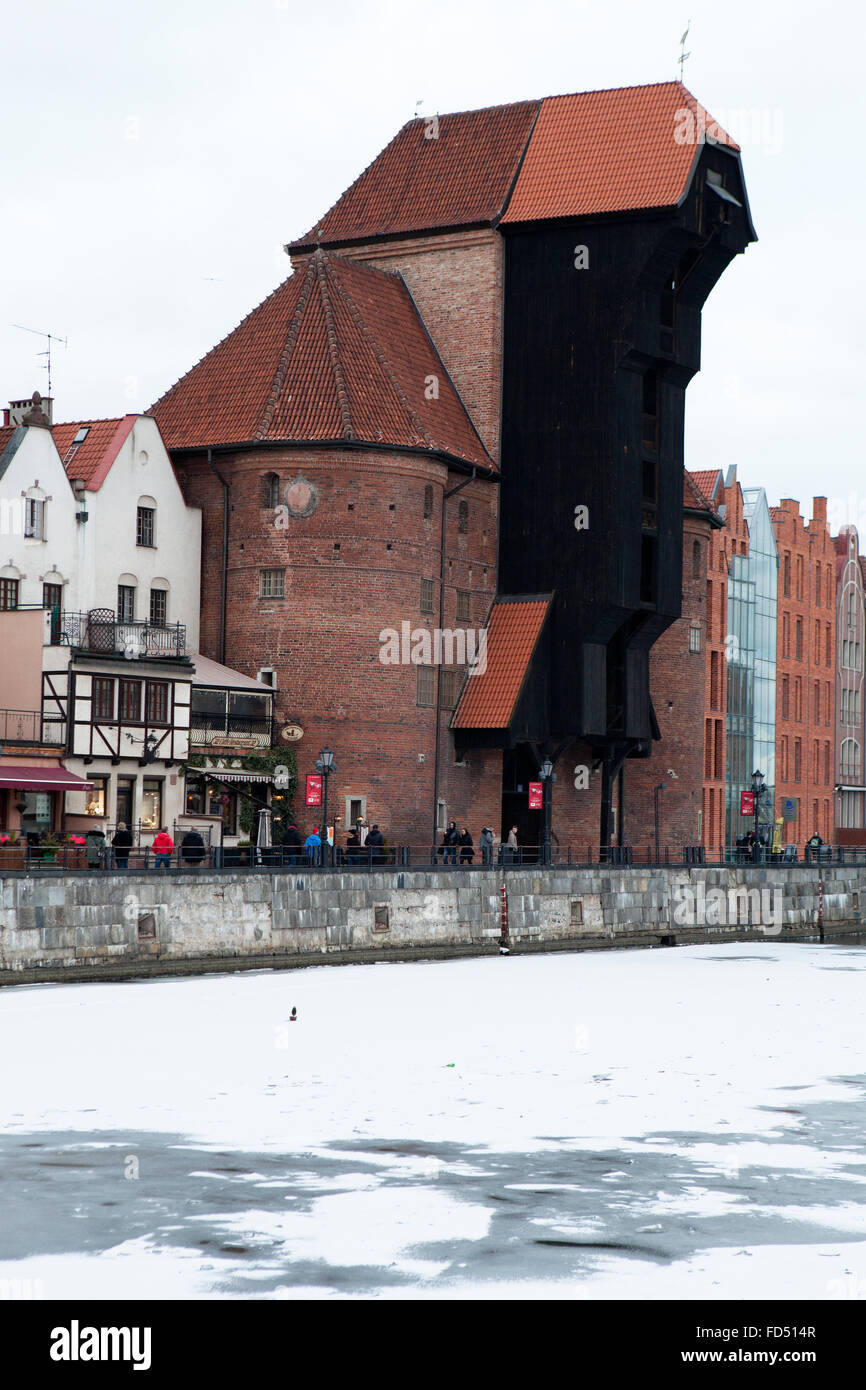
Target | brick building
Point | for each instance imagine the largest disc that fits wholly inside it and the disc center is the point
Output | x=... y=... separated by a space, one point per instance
x=806 y=671
x=401 y=436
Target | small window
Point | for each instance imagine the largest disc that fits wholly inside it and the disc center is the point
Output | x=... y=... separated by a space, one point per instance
x=798 y=641
x=448 y=687
x=695 y=638
x=157 y=702
x=271 y=490
x=34 y=518
x=441 y=815
x=426 y=595
x=428 y=501
x=8 y=595
x=786 y=575
x=426 y=692
x=272 y=584
x=158 y=607
x=102 y=699
x=144 y=526
x=463 y=601
x=268 y=676
x=81 y=434
x=463 y=517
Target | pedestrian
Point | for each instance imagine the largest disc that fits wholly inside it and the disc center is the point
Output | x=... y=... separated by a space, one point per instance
x=293 y=843
x=375 y=842
x=122 y=844
x=162 y=847
x=363 y=830
x=353 y=846
x=512 y=846
x=313 y=846
x=813 y=845
x=486 y=843
x=450 y=841
x=192 y=848
x=94 y=843
x=467 y=846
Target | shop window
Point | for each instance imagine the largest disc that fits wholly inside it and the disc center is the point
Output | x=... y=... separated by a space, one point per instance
x=151 y=803
x=97 y=797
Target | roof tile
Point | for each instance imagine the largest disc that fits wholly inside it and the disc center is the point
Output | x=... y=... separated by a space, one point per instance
x=489 y=698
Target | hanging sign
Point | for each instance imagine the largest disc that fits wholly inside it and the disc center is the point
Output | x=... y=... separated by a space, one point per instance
x=536 y=796
x=314 y=789
x=747 y=803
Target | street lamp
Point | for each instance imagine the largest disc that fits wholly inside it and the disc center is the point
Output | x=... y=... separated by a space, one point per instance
x=758 y=790
x=326 y=766
x=546 y=772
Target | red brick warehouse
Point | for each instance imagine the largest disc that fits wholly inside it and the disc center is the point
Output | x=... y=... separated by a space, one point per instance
x=422 y=405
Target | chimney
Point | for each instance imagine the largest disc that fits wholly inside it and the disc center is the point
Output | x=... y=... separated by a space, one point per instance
x=35 y=411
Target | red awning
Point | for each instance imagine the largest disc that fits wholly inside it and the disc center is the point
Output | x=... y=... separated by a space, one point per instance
x=30 y=777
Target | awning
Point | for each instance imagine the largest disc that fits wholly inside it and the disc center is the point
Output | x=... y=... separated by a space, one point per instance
x=490 y=693
x=229 y=774
x=33 y=778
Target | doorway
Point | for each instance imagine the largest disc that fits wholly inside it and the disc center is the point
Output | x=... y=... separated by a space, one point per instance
x=519 y=768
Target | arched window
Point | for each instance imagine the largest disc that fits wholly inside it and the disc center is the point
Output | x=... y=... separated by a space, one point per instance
x=145 y=522
x=850 y=759
x=696 y=560
x=271 y=490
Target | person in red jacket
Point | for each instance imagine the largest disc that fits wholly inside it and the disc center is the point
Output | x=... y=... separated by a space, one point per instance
x=162 y=847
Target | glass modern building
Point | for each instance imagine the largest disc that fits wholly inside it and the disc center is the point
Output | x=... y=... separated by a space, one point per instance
x=751 y=653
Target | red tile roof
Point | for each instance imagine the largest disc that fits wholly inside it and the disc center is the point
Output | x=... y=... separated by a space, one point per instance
x=93 y=457
x=612 y=151
x=707 y=480
x=489 y=698
x=693 y=498
x=6 y=433
x=338 y=352
x=460 y=177
x=567 y=156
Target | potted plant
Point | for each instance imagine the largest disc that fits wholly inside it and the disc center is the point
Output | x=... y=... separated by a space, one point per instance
x=13 y=853
x=50 y=846
x=234 y=855
x=72 y=852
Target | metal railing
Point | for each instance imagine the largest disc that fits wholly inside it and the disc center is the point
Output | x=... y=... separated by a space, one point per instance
x=24 y=858
x=101 y=631
x=31 y=726
x=208 y=729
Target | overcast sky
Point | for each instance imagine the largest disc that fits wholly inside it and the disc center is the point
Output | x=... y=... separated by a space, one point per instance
x=158 y=156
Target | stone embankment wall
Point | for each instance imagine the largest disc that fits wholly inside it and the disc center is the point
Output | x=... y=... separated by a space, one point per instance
x=99 y=925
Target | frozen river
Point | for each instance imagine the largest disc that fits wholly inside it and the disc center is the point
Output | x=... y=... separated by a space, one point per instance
x=637 y=1124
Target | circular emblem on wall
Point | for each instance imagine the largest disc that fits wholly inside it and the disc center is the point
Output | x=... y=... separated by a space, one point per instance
x=291 y=733
x=301 y=497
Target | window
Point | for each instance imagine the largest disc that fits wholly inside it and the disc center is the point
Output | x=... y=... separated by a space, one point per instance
x=151 y=803
x=827 y=768
x=356 y=809
x=271 y=490
x=850 y=760
x=798 y=643
x=8 y=595
x=157 y=702
x=816 y=643
x=52 y=599
x=695 y=638
x=798 y=754
x=102 y=699
x=463 y=600
x=816 y=703
x=785 y=694
x=786 y=574
x=714 y=680
x=786 y=636
x=816 y=761
x=828 y=643
x=448 y=687
x=783 y=759
x=130 y=702
x=828 y=705
x=798 y=698
x=441 y=815
x=818 y=584
x=144 y=525
x=799 y=576
x=426 y=595
x=709 y=610
x=34 y=518
x=428 y=501
x=426 y=692
x=272 y=583
x=650 y=481
x=125 y=603
x=97 y=797
x=696 y=559
x=708 y=749
x=158 y=607
x=719 y=761
x=463 y=517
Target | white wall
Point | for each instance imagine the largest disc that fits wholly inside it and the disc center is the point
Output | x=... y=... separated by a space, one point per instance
x=107 y=543
x=36 y=468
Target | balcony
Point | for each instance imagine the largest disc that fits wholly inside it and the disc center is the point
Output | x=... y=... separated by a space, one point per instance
x=100 y=633
x=27 y=726
x=209 y=730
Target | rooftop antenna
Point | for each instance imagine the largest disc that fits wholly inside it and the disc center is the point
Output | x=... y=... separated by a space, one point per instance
x=683 y=54
x=52 y=338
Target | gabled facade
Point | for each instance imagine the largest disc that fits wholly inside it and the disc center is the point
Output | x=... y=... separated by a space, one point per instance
x=849 y=735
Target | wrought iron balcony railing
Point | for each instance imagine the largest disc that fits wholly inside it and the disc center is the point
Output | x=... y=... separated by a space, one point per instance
x=101 y=631
x=29 y=726
x=208 y=729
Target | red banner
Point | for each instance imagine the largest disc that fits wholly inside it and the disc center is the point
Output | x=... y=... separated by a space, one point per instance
x=536 y=796
x=314 y=789
x=747 y=803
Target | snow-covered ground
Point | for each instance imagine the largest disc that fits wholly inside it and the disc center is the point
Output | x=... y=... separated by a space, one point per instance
x=636 y=1124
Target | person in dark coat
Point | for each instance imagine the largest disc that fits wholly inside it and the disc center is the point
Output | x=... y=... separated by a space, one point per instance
x=122 y=844
x=192 y=847
x=353 y=846
x=293 y=843
x=467 y=846
x=486 y=846
x=94 y=841
x=375 y=842
x=450 y=841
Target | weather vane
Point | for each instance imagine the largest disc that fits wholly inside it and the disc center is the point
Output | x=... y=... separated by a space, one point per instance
x=683 y=54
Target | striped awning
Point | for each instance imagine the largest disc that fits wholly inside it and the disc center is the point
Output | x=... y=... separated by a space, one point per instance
x=31 y=777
